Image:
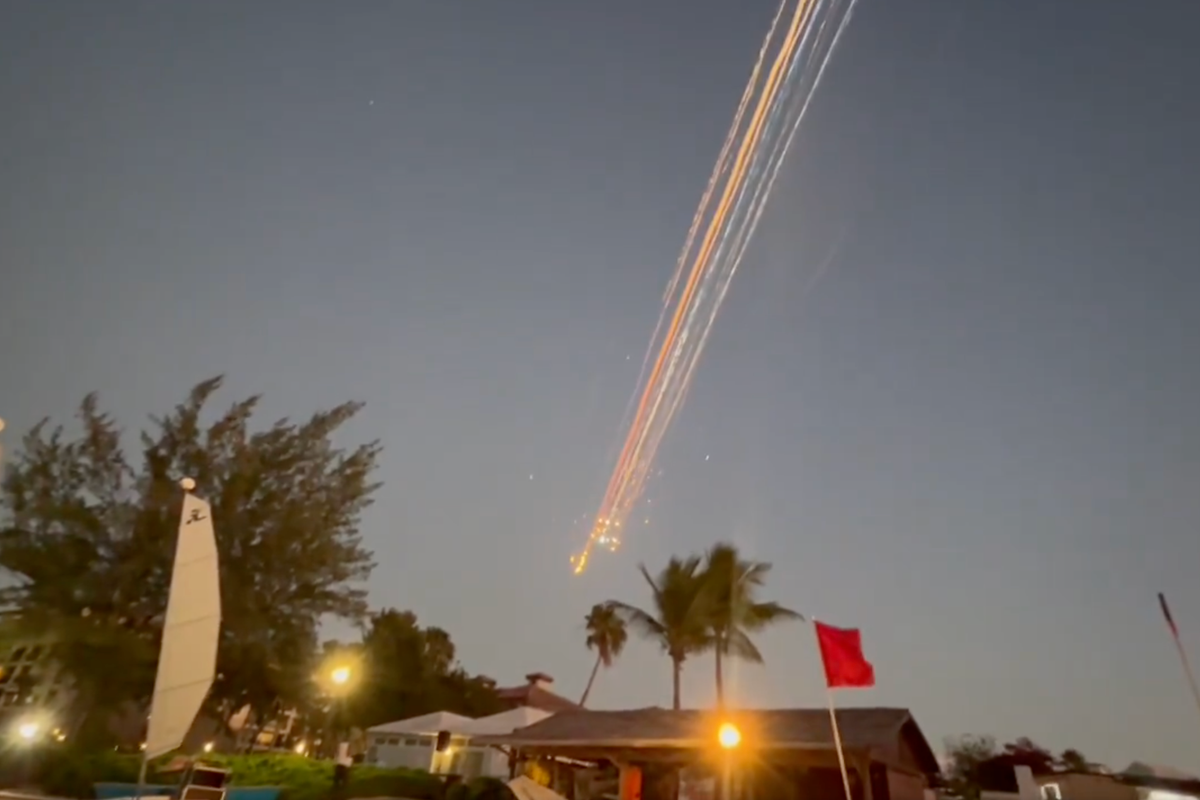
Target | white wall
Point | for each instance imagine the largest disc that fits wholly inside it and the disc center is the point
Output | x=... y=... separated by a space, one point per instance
x=412 y=751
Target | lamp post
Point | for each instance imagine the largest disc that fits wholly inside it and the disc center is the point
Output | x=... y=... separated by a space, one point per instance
x=339 y=678
x=729 y=737
x=28 y=734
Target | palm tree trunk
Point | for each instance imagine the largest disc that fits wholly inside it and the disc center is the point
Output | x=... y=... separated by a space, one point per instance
x=720 y=678
x=676 y=674
x=591 y=680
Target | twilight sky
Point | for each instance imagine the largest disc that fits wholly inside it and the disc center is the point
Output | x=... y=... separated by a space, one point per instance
x=976 y=438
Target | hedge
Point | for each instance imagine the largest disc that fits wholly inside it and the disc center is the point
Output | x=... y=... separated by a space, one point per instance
x=64 y=773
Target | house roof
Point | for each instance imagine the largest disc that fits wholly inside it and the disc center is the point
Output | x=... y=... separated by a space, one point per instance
x=535 y=696
x=1141 y=769
x=427 y=724
x=797 y=728
x=506 y=721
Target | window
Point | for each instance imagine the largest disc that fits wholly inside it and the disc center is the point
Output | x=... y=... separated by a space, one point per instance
x=1050 y=791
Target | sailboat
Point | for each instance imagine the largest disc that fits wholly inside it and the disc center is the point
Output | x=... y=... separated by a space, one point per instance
x=187 y=660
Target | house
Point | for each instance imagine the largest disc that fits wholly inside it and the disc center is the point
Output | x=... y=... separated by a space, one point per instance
x=537 y=693
x=412 y=743
x=1083 y=786
x=787 y=753
x=1139 y=781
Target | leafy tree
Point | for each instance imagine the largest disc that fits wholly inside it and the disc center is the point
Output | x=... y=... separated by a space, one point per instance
x=410 y=670
x=681 y=618
x=736 y=612
x=976 y=764
x=607 y=636
x=1024 y=752
x=966 y=754
x=1072 y=760
x=89 y=531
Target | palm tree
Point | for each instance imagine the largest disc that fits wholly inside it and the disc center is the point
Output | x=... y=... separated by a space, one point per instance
x=733 y=583
x=680 y=620
x=607 y=636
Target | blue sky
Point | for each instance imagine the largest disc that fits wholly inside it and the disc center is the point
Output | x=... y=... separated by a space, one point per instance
x=975 y=438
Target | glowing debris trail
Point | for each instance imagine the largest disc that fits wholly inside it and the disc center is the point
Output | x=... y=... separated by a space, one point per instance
x=743 y=185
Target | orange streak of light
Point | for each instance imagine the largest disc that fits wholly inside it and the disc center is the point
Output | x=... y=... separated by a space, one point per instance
x=620 y=482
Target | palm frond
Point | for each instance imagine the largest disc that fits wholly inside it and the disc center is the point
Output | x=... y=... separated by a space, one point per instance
x=642 y=622
x=738 y=645
x=756 y=616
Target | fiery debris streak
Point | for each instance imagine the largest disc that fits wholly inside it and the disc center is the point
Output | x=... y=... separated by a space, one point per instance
x=743 y=185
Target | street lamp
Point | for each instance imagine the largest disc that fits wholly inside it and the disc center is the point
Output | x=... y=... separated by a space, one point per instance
x=340 y=676
x=728 y=736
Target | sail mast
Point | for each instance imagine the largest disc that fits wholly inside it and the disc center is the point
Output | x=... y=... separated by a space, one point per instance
x=187 y=660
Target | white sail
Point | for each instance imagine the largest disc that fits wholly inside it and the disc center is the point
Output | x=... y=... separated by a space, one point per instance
x=187 y=662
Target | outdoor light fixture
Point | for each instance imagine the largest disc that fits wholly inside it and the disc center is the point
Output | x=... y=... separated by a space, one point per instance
x=340 y=675
x=729 y=736
x=208 y=747
x=28 y=731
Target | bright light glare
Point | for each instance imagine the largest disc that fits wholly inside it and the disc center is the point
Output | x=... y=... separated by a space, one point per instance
x=729 y=736
x=28 y=730
x=340 y=675
x=208 y=747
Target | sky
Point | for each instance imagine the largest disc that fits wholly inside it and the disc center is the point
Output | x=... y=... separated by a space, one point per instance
x=975 y=437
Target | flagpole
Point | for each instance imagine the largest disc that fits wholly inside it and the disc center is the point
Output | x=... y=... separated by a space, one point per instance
x=837 y=742
x=1183 y=657
x=833 y=723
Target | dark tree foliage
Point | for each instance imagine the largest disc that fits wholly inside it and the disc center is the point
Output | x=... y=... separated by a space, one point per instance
x=1024 y=752
x=410 y=670
x=1072 y=760
x=965 y=755
x=976 y=763
x=87 y=534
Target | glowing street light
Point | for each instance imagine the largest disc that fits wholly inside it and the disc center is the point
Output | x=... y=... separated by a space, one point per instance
x=340 y=676
x=729 y=736
x=28 y=731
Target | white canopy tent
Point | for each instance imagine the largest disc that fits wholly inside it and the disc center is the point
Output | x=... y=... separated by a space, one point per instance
x=506 y=721
x=427 y=724
x=411 y=742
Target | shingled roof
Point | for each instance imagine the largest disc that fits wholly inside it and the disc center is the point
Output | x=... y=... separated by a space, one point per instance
x=796 y=728
x=536 y=693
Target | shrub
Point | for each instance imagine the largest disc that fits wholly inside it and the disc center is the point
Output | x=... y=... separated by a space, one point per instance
x=375 y=782
x=71 y=773
x=62 y=772
x=489 y=789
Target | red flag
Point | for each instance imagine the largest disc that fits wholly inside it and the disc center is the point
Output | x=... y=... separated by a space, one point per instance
x=1162 y=601
x=845 y=665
